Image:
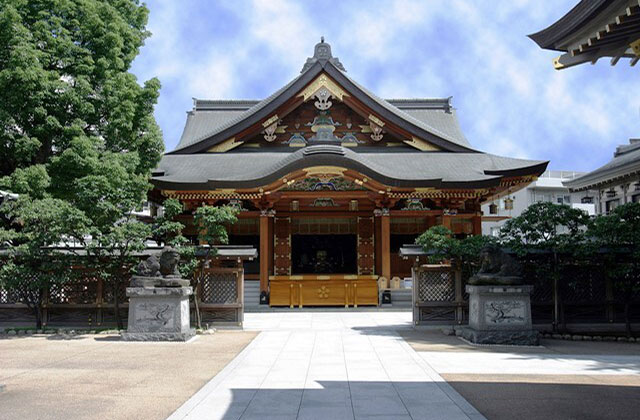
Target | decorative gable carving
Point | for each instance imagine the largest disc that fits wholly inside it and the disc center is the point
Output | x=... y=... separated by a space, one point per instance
x=323 y=81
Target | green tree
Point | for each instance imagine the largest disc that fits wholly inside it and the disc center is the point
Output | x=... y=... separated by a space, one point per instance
x=442 y=245
x=614 y=234
x=75 y=125
x=439 y=243
x=168 y=230
x=212 y=223
x=547 y=227
x=33 y=265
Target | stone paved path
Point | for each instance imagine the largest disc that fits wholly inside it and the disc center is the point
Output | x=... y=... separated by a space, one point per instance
x=327 y=365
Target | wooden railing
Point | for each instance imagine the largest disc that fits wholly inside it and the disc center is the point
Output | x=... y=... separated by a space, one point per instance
x=323 y=290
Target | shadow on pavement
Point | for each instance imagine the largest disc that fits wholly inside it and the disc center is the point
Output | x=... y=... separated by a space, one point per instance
x=508 y=400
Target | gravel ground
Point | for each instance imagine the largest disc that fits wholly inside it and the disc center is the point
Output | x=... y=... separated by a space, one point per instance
x=101 y=377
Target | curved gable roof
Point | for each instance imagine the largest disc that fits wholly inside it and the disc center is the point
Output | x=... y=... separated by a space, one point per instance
x=199 y=136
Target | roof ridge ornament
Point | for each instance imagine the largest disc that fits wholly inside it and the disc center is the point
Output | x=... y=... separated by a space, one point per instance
x=322 y=52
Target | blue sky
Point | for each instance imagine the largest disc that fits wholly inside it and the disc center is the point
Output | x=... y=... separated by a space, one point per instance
x=509 y=98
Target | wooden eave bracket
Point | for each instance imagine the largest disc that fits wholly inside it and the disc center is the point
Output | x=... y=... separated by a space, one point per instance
x=225 y=146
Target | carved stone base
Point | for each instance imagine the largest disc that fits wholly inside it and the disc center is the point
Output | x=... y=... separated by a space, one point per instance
x=158 y=336
x=159 y=314
x=500 y=314
x=513 y=338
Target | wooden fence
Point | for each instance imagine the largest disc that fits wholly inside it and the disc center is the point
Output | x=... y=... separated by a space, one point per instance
x=585 y=297
x=87 y=301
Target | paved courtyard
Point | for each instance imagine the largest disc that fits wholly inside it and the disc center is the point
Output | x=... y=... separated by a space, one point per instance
x=559 y=380
x=328 y=365
x=317 y=365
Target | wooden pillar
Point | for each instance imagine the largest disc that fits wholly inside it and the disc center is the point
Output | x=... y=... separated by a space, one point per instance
x=264 y=252
x=270 y=236
x=446 y=221
x=477 y=224
x=378 y=246
x=385 y=239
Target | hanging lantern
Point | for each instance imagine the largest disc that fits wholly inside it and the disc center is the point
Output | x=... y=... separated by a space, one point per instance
x=508 y=203
x=295 y=205
x=493 y=209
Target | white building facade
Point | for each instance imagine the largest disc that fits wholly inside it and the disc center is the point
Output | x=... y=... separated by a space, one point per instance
x=615 y=183
x=548 y=187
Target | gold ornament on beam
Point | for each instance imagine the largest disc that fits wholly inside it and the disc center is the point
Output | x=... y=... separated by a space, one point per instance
x=323 y=95
x=376 y=131
x=270 y=132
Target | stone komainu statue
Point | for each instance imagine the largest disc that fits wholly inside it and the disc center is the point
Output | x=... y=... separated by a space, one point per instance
x=149 y=267
x=169 y=260
x=497 y=268
x=167 y=266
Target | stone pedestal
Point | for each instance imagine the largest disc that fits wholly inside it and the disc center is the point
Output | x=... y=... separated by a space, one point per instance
x=500 y=315
x=158 y=313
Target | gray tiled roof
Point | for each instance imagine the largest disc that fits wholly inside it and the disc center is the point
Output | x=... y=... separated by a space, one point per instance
x=625 y=162
x=415 y=168
x=204 y=129
x=201 y=123
x=445 y=121
x=432 y=117
x=211 y=116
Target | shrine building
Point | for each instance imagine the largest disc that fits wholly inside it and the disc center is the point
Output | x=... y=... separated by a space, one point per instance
x=331 y=180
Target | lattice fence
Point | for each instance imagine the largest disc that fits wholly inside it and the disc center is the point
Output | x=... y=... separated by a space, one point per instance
x=436 y=286
x=221 y=295
x=220 y=287
x=437 y=295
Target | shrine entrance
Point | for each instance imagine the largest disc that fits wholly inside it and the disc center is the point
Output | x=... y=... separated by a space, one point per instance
x=324 y=254
x=324 y=245
x=324 y=265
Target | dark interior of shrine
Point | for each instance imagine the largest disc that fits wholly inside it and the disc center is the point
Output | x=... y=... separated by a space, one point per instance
x=324 y=254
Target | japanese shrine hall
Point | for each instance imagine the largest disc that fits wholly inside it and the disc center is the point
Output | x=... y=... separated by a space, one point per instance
x=331 y=180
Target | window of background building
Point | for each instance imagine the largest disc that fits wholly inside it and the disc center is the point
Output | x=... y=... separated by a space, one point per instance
x=611 y=205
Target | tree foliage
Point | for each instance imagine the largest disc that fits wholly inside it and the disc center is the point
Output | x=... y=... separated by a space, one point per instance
x=33 y=266
x=77 y=131
x=440 y=243
x=211 y=223
x=545 y=226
